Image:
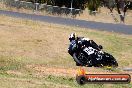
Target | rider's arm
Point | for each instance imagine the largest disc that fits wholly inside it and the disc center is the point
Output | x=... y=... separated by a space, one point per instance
x=94 y=45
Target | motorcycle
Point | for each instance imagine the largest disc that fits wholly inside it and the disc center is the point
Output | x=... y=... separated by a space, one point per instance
x=88 y=56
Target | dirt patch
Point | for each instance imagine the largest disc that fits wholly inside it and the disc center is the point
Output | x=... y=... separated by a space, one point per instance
x=57 y=71
x=53 y=70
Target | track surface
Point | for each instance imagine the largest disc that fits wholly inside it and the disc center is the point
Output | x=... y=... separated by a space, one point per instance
x=119 y=28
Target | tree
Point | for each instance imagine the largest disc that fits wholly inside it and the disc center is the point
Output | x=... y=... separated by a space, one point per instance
x=93 y=5
x=122 y=7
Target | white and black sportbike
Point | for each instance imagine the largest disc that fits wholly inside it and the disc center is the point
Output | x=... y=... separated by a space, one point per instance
x=88 y=56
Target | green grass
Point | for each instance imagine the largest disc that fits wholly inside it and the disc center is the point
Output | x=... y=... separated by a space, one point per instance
x=25 y=42
x=8 y=63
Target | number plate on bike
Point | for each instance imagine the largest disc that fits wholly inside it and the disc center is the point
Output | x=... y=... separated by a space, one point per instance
x=89 y=50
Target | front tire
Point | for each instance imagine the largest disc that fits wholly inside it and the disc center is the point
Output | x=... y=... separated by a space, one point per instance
x=114 y=64
x=110 y=61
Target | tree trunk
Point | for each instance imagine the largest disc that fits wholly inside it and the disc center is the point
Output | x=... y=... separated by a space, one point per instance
x=122 y=17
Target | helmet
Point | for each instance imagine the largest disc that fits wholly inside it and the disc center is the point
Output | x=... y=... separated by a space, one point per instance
x=72 y=36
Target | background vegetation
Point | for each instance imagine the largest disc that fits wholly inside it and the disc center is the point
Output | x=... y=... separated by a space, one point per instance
x=121 y=6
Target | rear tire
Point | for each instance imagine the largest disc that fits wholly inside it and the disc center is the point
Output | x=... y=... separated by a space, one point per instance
x=78 y=63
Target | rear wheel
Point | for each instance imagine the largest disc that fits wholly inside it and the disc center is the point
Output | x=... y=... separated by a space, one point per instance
x=82 y=60
x=78 y=62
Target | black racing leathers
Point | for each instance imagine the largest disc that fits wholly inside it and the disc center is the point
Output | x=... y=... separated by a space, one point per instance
x=88 y=43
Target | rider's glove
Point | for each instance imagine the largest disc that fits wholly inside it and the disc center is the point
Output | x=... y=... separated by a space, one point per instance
x=100 y=51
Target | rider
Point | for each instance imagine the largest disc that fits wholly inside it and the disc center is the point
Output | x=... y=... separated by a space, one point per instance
x=81 y=41
x=84 y=41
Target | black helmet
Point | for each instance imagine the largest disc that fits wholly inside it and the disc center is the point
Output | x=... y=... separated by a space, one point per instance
x=72 y=36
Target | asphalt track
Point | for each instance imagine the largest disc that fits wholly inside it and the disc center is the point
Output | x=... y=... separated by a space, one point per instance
x=119 y=28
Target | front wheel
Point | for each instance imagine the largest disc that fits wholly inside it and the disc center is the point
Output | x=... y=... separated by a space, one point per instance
x=114 y=63
x=110 y=60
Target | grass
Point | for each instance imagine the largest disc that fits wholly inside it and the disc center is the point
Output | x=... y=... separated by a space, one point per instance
x=32 y=53
x=7 y=63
